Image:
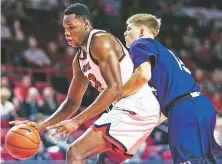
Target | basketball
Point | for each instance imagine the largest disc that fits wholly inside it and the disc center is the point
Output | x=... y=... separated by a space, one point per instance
x=22 y=141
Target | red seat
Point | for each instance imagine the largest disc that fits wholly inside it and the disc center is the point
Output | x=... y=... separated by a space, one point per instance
x=5 y=124
x=41 y=85
x=146 y=154
x=5 y=156
x=3 y=135
x=60 y=98
x=56 y=155
x=149 y=141
x=77 y=134
x=167 y=157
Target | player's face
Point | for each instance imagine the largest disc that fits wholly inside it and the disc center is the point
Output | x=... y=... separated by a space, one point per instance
x=131 y=34
x=74 y=30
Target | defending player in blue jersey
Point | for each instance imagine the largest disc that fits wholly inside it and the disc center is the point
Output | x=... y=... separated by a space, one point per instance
x=191 y=115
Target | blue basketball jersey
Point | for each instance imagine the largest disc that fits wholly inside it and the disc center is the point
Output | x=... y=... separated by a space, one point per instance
x=170 y=77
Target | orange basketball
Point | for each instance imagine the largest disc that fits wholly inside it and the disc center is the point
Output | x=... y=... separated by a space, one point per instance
x=22 y=141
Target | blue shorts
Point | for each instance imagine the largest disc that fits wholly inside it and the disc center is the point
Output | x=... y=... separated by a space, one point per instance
x=191 y=129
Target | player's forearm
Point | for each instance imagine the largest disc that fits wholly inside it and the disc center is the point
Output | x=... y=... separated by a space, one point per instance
x=103 y=101
x=65 y=110
x=134 y=84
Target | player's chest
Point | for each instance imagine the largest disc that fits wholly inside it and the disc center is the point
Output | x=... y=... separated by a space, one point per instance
x=92 y=72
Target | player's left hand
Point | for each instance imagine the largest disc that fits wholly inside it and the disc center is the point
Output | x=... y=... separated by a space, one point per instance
x=64 y=128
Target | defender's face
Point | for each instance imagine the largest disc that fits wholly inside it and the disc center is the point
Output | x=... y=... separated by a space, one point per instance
x=131 y=34
x=74 y=30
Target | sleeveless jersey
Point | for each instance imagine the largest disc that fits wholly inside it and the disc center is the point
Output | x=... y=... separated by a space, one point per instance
x=91 y=70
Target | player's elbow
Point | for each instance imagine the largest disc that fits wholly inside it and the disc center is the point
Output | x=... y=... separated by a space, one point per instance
x=71 y=103
x=144 y=76
x=116 y=90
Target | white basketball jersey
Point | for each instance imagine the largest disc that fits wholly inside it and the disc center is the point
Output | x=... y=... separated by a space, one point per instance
x=91 y=70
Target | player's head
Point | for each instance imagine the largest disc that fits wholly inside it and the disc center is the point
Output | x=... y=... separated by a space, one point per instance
x=141 y=25
x=77 y=24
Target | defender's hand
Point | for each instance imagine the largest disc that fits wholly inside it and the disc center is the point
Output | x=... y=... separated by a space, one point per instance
x=65 y=128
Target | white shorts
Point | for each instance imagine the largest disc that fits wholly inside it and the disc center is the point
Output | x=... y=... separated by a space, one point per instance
x=126 y=130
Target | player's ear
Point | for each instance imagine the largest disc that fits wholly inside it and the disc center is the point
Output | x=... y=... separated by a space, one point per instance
x=141 y=32
x=86 y=24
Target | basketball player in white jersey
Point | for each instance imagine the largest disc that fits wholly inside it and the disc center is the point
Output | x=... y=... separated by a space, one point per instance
x=104 y=62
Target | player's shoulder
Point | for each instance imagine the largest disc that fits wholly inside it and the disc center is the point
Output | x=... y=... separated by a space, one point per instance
x=101 y=37
x=142 y=43
x=102 y=40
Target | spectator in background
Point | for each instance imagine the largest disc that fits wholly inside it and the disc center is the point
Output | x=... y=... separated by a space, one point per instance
x=217 y=51
x=217 y=80
x=5 y=82
x=99 y=16
x=50 y=103
x=168 y=42
x=63 y=71
x=5 y=31
x=52 y=51
x=190 y=42
x=204 y=55
x=21 y=89
x=218 y=129
x=19 y=43
x=58 y=78
x=61 y=41
x=69 y=55
x=200 y=76
x=216 y=99
x=5 y=36
x=68 y=59
x=7 y=108
x=29 y=108
x=214 y=85
x=34 y=55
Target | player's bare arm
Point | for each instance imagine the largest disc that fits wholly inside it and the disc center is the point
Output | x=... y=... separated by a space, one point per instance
x=104 y=51
x=73 y=101
x=140 y=77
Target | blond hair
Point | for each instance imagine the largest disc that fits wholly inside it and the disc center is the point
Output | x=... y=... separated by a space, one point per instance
x=148 y=20
x=5 y=93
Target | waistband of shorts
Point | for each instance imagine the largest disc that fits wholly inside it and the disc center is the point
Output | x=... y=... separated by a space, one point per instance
x=108 y=109
x=180 y=99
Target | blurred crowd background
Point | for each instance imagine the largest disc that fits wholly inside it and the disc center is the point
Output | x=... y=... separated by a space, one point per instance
x=36 y=61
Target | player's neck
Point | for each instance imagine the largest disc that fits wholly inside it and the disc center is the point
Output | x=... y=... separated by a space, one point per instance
x=147 y=35
x=84 y=45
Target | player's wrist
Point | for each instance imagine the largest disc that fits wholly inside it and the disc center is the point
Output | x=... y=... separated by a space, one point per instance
x=42 y=127
x=78 y=120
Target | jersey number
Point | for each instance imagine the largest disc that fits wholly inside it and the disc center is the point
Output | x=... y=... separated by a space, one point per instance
x=180 y=63
x=92 y=78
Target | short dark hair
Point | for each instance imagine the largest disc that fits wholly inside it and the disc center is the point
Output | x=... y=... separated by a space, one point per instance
x=78 y=9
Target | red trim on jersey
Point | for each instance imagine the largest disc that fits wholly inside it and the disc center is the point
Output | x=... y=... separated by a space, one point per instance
x=124 y=55
x=80 y=58
x=119 y=147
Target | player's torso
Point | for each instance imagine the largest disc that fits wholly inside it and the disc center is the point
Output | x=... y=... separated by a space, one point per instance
x=170 y=76
x=91 y=70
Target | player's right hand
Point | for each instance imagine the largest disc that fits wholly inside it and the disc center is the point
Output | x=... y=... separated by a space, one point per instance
x=32 y=124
